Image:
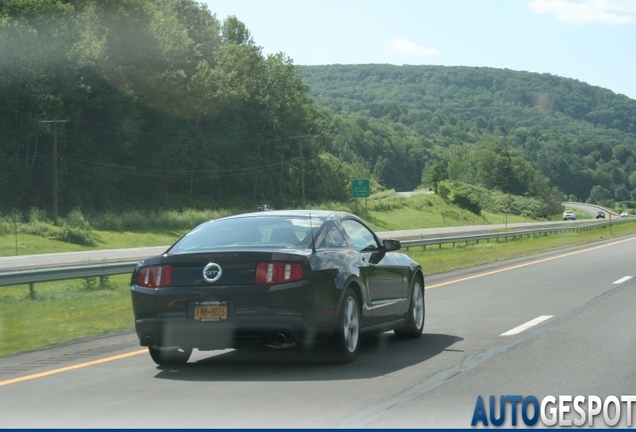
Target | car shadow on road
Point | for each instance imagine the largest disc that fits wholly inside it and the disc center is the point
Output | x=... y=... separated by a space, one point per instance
x=379 y=355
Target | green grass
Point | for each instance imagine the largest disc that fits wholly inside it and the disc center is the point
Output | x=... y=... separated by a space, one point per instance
x=448 y=258
x=63 y=311
x=498 y=219
x=29 y=244
x=419 y=211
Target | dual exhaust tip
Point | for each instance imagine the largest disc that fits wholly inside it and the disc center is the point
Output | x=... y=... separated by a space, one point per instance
x=282 y=339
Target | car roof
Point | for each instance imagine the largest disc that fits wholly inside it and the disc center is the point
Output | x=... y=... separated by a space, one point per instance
x=323 y=214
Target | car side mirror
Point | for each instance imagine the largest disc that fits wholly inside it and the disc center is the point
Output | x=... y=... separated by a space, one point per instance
x=391 y=245
x=387 y=246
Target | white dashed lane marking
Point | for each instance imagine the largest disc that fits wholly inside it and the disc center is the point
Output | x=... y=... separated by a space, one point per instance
x=621 y=280
x=527 y=325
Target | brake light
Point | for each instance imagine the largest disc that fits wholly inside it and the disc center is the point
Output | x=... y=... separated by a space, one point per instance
x=155 y=276
x=270 y=273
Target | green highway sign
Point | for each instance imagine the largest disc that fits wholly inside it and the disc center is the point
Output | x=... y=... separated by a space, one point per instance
x=360 y=189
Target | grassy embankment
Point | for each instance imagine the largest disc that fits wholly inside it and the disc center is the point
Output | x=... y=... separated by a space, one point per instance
x=74 y=309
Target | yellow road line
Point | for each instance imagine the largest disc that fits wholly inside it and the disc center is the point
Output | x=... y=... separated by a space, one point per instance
x=69 y=368
x=528 y=264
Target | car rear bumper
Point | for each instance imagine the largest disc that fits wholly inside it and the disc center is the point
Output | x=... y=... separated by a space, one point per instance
x=234 y=333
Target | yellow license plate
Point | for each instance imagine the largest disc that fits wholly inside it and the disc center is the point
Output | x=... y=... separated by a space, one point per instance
x=210 y=313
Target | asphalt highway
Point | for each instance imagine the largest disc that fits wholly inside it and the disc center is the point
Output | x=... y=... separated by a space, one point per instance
x=561 y=323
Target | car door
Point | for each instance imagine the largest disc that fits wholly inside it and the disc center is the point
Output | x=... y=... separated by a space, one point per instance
x=385 y=274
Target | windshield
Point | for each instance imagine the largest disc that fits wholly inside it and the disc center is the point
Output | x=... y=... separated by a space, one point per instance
x=274 y=232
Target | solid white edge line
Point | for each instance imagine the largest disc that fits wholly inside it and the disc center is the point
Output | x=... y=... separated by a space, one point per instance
x=527 y=325
x=621 y=280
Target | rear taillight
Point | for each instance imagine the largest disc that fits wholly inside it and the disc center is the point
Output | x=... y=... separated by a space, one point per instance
x=269 y=273
x=155 y=276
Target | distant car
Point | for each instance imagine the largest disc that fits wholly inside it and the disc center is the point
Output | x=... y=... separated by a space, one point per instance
x=569 y=214
x=277 y=279
x=600 y=215
x=625 y=214
x=263 y=207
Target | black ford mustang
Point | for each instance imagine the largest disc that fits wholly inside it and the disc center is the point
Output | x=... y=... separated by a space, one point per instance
x=277 y=278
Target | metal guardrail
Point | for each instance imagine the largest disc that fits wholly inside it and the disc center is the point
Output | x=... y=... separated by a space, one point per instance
x=503 y=234
x=31 y=277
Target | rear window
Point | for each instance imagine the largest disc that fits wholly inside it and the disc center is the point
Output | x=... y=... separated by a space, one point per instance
x=274 y=232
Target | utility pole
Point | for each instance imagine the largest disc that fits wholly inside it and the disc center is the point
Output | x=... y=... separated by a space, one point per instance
x=302 y=164
x=55 y=122
x=281 y=169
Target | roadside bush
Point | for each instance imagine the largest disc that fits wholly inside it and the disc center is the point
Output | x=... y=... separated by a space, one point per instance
x=39 y=228
x=381 y=195
x=135 y=220
x=336 y=206
x=74 y=228
x=76 y=235
x=76 y=219
x=6 y=226
x=466 y=201
x=477 y=198
x=108 y=221
x=443 y=190
x=37 y=215
x=8 y=222
x=387 y=205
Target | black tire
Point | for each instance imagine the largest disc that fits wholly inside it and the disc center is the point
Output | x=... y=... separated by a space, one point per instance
x=170 y=357
x=416 y=314
x=345 y=343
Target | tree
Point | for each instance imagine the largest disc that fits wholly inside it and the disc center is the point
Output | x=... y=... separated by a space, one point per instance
x=436 y=174
x=621 y=193
x=622 y=153
x=599 y=195
x=168 y=107
x=234 y=31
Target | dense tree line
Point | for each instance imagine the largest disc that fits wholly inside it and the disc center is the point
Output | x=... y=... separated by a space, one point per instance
x=166 y=107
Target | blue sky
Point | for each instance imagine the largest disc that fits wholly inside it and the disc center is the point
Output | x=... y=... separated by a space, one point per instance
x=593 y=41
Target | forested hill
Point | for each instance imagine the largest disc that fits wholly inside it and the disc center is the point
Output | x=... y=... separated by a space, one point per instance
x=501 y=96
x=578 y=135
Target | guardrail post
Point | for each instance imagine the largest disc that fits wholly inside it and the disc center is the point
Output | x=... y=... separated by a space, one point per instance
x=32 y=291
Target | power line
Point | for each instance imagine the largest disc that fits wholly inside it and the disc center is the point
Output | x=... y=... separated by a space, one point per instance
x=162 y=170
x=145 y=134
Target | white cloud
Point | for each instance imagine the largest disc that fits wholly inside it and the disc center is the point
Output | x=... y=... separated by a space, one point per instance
x=586 y=11
x=405 y=47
